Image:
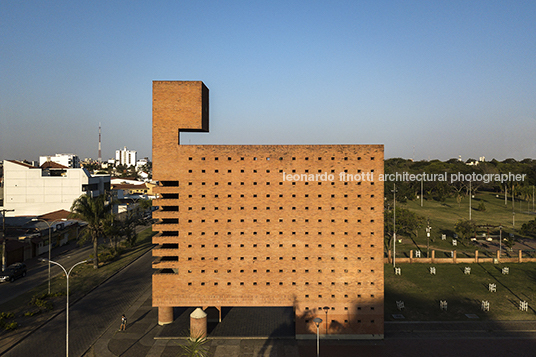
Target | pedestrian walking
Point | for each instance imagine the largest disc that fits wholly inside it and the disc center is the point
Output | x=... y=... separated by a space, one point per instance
x=123 y=323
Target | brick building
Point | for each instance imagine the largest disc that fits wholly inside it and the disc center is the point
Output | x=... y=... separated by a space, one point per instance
x=265 y=225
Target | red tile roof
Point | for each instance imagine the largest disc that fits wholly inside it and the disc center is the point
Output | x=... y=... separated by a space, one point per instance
x=22 y=164
x=52 y=165
x=56 y=215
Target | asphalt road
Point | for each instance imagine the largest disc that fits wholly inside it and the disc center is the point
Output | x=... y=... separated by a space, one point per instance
x=91 y=316
x=67 y=256
x=38 y=272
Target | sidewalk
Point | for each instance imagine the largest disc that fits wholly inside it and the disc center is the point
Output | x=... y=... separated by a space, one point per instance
x=144 y=337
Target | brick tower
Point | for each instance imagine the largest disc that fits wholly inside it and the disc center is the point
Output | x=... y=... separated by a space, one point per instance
x=265 y=225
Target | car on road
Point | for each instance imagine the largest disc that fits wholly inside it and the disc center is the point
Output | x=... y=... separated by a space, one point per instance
x=13 y=272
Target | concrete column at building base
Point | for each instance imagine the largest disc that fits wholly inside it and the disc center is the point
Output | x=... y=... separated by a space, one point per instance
x=165 y=315
x=198 y=324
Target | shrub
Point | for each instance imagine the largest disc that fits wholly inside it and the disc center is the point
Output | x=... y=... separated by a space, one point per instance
x=11 y=325
x=6 y=315
x=40 y=302
x=32 y=313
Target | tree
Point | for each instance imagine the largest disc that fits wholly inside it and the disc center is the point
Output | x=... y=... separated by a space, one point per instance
x=128 y=227
x=465 y=228
x=113 y=231
x=95 y=211
x=145 y=204
x=407 y=222
x=529 y=228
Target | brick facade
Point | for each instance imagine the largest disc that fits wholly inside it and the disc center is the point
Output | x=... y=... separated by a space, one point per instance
x=266 y=225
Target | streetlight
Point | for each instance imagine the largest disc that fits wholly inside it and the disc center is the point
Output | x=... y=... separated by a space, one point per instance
x=67 y=308
x=428 y=229
x=421 y=191
x=326 y=309
x=470 y=196
x=317 y=321
x=500 y=240
x=4 y=259
x=394 y=225
x=49 y=243
x=513 y=220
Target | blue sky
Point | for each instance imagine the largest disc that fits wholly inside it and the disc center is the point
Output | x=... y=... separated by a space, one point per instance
x=428 y=79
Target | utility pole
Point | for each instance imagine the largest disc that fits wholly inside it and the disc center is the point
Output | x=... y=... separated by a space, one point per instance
x=500 y=240
x=428 y=230
x=513 y=209
x=421 y=192
x=4 y=236
x=470 y=197
x=394 y=225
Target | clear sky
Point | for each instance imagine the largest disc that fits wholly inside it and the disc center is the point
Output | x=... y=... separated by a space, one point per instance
x=428 y=79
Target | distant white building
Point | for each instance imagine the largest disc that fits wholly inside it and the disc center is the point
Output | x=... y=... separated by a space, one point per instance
x=141 y=163
x=125 y=157
x=69 y=160
x=31 y=190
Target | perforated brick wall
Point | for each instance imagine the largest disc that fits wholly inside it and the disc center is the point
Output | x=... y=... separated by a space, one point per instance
x=271 y=225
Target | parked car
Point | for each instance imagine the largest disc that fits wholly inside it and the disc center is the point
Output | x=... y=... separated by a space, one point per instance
x=13 y=272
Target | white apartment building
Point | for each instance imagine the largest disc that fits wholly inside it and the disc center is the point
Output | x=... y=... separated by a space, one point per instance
x=69 y=160
x=35 y=191
x=125 y=157
x=141 y=163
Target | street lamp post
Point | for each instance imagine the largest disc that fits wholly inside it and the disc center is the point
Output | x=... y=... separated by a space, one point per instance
x=421 y=192
x=49 y=243
x=67 y=274
x=500 y=241
x=513 y=220
x=326 y=309
x=394 y=225
x=317 y=321
x=4 y=255
x=428 y=229
x=470 y=196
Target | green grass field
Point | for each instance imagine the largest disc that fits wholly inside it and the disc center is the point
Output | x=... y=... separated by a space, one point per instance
x=422 y=291
x=444 y=215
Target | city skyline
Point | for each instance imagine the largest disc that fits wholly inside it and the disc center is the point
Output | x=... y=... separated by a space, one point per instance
x=427 y=80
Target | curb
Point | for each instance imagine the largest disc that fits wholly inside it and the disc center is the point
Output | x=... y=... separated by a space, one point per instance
x=101 y=345
x=8 y=348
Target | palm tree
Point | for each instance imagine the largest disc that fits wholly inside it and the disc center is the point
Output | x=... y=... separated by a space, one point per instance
x=94 y=211
x=195 y=347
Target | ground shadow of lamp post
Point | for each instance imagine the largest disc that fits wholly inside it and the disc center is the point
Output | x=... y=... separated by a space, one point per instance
x=67 y=274
x=317 y=321
x=49 y=242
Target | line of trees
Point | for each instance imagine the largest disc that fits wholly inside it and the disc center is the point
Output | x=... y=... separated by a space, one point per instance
x=102 y=223
x=409 y=223
x=441 y=190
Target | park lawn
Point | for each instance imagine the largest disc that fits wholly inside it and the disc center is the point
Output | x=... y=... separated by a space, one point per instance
x=444 y=215
x=421 y=291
